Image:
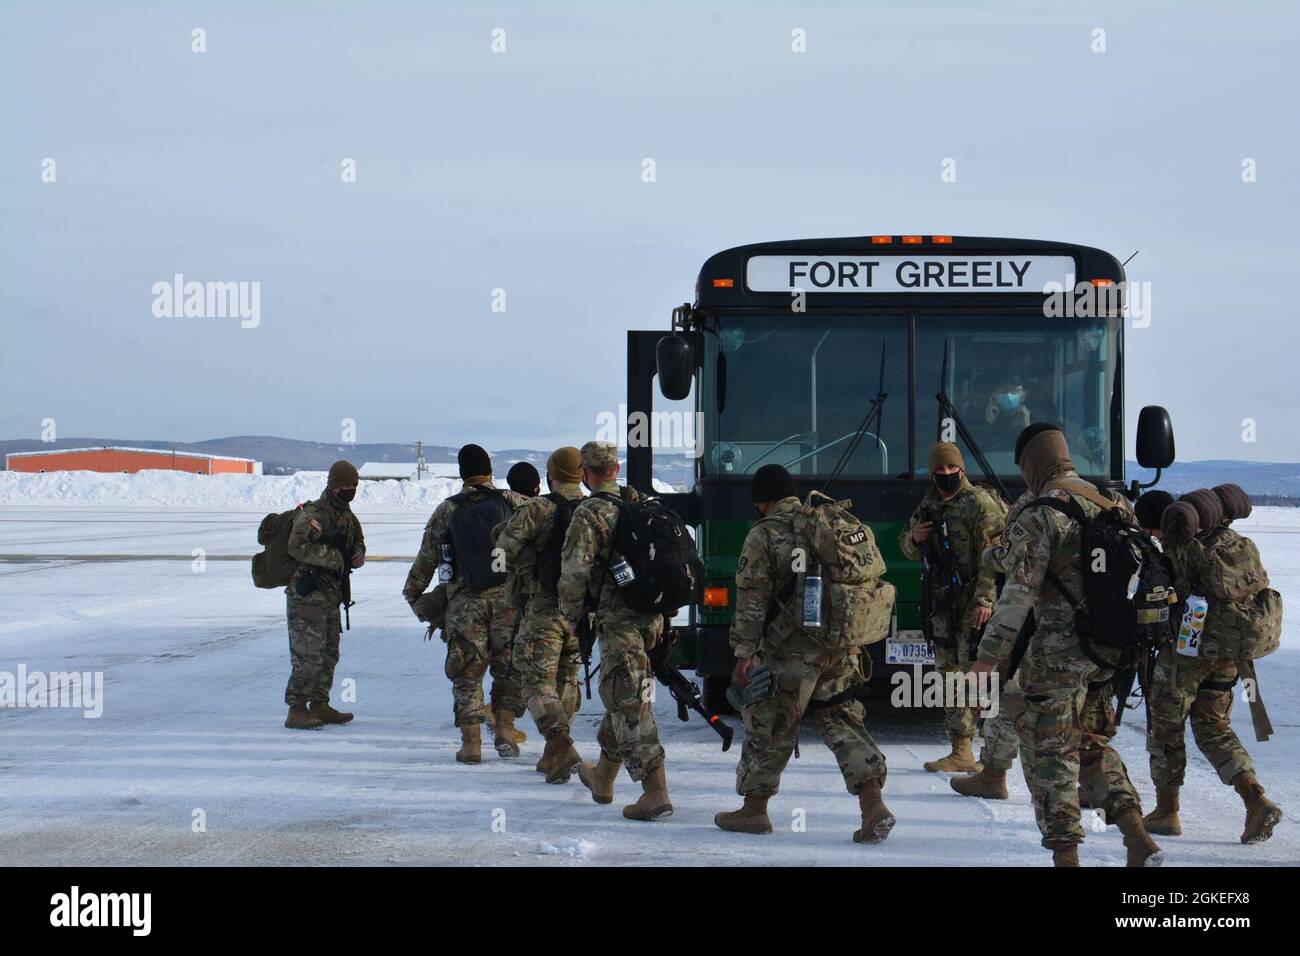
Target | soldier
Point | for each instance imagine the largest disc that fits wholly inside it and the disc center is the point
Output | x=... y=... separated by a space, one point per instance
x=1069 y=709
x=951 y=527
x=1148 y=509
x=480 y=622
x=1201 y=686
x=546 y=648
x=323 y=531
x=767 y=636
x=1001 y=740
x=628 y=733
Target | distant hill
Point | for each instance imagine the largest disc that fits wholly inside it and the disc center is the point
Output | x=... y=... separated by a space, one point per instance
x=1276 y=482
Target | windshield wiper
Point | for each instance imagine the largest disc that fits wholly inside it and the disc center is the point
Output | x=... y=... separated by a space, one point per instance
x=876 y=410
x=947 y=408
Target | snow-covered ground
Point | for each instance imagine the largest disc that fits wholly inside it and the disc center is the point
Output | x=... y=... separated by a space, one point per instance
x=195 y=659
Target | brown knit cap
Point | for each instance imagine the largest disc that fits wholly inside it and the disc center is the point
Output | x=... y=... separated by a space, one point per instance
x=342 y=474
x=1179 y=524
x=565 y=464
x=943 y=453
x=1209 y=509
x=1235 y=501
x=1047 y=451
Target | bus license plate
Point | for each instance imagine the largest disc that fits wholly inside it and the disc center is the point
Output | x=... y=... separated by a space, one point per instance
x=908 y=647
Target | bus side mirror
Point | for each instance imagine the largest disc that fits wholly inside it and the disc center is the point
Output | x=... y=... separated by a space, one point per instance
x=1155 y=438
x=675 y=363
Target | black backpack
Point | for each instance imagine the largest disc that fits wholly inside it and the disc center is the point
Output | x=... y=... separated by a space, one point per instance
x=1128 y=583
x=653 y=539
x=477 y=513
x=274 y=566
x=547 y=568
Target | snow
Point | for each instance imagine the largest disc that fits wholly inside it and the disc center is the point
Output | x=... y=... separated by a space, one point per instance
x=195 y=659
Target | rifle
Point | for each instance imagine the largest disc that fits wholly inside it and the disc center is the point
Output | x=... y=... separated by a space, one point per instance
x=338 y=540
x=685 y=692
x=586 y=641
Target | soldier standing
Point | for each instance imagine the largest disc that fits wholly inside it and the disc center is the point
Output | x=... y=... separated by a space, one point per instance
x=628 y=733
x=1069 y=708
x=1196 y=531
x=322 y=533
x=804 y=673
x=546 y=648
x=480 y=622
x=949 y=531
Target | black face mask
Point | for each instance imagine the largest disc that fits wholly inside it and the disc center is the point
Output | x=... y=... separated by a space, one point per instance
x=948 y=483
x=345 y=494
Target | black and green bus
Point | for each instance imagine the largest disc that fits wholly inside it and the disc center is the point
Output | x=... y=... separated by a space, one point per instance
x=850 y=357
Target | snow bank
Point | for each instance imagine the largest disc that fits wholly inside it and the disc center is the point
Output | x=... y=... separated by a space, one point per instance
x=175 y=489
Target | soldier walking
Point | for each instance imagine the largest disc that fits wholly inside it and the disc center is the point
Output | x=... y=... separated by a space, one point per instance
x=323 y=532
x=628 y=734
x=949 y=531
x=479 y=629
x=546 y=647
x=802 y=672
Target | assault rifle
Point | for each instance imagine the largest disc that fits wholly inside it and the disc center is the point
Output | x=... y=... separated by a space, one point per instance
x=586 y=641
x=685 y=692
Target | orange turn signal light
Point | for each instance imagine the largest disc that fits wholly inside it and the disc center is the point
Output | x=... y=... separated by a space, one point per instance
x=941 y=240
x=881 y=240
x=1101 y=281
x=912 y=240
x=724 y=283
x=716 y=597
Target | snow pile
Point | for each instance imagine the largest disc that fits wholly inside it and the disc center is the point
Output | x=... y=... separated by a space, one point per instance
x=567 y=846
x=176 y=489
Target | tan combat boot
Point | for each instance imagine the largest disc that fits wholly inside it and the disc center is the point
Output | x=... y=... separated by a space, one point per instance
x=877 y=821
x=599 y=778
x=990 y=784
x=1163 y=820
x=961 y=760
x=1142 y=850
x=470 y=744
x=323 y=710
x=301 y=719
x=1066 y=856
x=505 y=736
x=548 y=754
x=565 y=759
x=490 y=718
x=653 y=802
x=1262 y=814
x=751 y=818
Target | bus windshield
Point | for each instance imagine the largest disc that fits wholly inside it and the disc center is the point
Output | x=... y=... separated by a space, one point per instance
x=1004 y=372
x=794 y=390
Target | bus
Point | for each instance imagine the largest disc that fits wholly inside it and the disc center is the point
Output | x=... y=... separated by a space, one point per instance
x=848 y=358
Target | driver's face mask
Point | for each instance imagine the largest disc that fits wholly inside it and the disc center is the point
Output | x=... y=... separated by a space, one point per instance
x=1009 y=401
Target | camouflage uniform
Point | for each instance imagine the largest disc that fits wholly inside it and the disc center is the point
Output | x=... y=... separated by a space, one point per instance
x=479 y=628
x=975 y=519
x=1197 y=687
x=1069 y=709
x=804 y=670
x=546 y=647
x=315 y=625
x=1001 y=741
x=628 y=731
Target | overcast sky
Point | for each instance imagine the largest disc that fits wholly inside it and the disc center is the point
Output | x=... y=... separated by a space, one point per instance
x=522 y=170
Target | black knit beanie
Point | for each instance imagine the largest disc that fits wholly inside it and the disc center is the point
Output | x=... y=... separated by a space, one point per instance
x=473 y=462
x=1151 y=506
x=523 y=478
x=772 y=483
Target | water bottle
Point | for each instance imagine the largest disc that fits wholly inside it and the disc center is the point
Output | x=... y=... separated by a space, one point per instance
x=1189 y=632
x=445 y=570
x=622 y=571
x=812 y=597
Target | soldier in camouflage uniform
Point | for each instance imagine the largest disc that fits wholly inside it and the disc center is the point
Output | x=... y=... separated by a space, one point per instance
x=315 y=626
x=546 y=648
x=1200 y=687
x=1069 y=707
x=1001 y=741
x=628 y=733
x=974 y=520
x=479 y=626
x=766 y=634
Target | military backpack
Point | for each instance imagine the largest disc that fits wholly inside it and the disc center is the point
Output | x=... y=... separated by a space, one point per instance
x=477 y=512
x=274 y=567
x=667 y=571
x=1244 y=619
x=547 y=568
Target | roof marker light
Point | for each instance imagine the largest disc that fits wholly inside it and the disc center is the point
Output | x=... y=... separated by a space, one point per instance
x=941 y=240
x=724 y=283
x=912 y=240
x=881 y=240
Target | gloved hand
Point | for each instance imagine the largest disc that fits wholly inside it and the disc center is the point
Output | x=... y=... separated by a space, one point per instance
x=762 y=684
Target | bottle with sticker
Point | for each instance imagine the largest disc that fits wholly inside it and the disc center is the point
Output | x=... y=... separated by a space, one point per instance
x=1193 y=623
x=446 y=571
x=812 y=597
